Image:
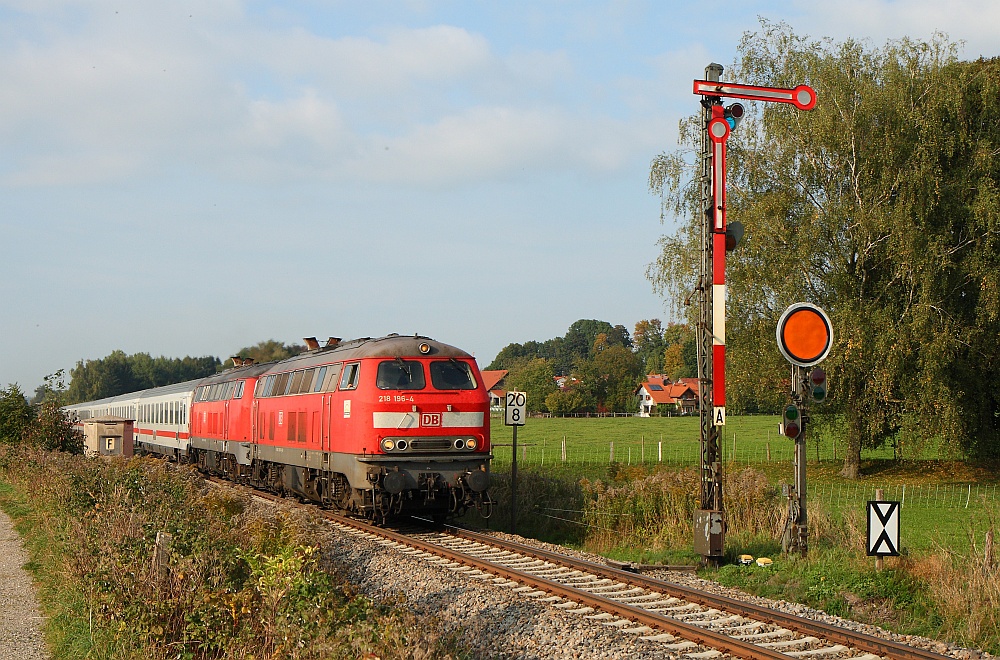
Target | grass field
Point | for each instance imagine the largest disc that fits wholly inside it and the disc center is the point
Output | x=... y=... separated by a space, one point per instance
x=747 y=440
x=946 y=503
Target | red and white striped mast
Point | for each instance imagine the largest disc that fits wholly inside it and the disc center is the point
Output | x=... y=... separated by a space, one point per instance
x=719 y=120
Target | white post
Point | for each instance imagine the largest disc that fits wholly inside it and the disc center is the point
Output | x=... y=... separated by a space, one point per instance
x=564 y=449
x=659 y=452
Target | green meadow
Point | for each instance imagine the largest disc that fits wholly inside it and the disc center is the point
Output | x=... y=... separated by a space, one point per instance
x=946 y=502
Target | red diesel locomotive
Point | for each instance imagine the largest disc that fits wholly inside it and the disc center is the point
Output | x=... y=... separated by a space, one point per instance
x=374 y=426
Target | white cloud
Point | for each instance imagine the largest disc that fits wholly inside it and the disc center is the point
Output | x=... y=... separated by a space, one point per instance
x=973 y=21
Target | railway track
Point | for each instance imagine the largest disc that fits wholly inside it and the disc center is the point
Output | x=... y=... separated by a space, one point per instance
x=688 y=621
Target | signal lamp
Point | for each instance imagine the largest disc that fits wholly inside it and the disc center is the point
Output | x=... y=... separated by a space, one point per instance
x=734 y=234
x=734 y=115
x=817 y=384
x=791 y=422
x=388 y=444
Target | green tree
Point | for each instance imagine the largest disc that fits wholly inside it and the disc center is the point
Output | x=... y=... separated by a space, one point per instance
x=649 y=345
x=610 y=379
x=570 y=400
x=536 y=378
x=882 y=206
x=119 y=373
x=16 y=414
x=269 y=350
x=53 y=388
x=52 y=431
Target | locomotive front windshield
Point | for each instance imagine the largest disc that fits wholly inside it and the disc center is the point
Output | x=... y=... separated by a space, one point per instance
x=452 y=375
x=400 y=375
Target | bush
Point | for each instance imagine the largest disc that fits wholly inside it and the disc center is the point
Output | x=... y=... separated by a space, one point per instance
x=239 y=580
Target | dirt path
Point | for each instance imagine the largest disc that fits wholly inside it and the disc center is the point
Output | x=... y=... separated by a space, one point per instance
x=20 y=619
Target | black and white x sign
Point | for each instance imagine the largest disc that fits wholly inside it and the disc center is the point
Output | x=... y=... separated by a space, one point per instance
x=883 y=529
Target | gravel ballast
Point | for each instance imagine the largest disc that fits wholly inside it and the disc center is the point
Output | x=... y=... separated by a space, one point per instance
x=496 y=622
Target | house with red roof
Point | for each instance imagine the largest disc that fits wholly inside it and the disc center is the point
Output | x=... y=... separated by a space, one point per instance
x=658 y=395
x=493 y=381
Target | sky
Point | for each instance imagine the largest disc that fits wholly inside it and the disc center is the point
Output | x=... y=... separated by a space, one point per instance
x=193 y=177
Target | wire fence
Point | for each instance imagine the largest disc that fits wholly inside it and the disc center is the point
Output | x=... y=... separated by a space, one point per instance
x=924 y=496
x=834 y=495
x=533 y=453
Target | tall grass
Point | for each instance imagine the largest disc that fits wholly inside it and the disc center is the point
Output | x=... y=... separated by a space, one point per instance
x=241 y=580
x=656 y=511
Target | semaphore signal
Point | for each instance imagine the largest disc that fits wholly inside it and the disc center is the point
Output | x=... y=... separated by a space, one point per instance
x=719 y=235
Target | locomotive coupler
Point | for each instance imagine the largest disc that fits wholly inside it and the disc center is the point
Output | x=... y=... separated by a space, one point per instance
x=430 y=480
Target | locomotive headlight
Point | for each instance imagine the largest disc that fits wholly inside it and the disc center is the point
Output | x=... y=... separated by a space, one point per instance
x=388 y=444
x=470 y=443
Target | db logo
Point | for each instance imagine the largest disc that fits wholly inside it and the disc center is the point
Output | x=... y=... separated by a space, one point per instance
x=430 y=419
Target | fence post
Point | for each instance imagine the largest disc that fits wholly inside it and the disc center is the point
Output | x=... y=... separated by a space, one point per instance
x=768 y=446
x=564 y=449
x=659 y=452
x=611 y=458
x=642 y=449
x=161 y=555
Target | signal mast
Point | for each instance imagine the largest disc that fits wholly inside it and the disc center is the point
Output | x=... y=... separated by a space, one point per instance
x=717 y=237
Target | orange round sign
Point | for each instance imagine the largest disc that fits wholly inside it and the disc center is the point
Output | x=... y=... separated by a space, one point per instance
x=804 y=334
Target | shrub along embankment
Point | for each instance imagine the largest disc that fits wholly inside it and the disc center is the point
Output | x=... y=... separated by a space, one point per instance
x=241 y=580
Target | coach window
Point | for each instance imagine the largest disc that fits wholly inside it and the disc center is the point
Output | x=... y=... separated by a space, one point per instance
x=400 y=374
x=349 y=380
x=293 y=388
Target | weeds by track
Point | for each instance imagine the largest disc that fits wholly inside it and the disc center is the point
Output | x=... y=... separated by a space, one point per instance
x=697 y=623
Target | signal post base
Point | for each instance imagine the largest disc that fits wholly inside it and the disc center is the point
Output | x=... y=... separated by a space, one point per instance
x=710 y=535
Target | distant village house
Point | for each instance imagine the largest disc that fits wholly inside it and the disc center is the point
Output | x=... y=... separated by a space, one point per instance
x=659 y=396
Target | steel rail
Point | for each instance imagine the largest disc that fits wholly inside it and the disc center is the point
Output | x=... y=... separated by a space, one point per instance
x=830 y=632
x=687 y=631
x=705 y=637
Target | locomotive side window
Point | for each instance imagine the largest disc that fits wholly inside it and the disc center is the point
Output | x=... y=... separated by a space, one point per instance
x=307 y=381
x=268 y=386
x=332 y=376
x=400 y=374
x=452 y=375
x=349 y=380
x=238 y=394
x=320 y=375
x=296 y=382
